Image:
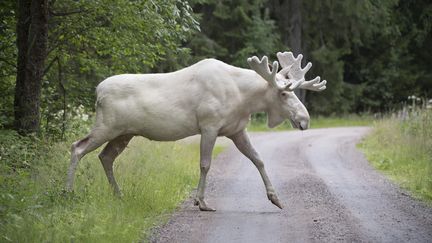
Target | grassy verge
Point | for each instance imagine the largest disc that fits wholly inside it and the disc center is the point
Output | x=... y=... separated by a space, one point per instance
x=344 y=121
x=403 y=151
x=155 y=178
x=317 y=122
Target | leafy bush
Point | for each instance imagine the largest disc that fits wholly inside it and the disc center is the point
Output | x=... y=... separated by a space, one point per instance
x=15 y=151
x=74 y=123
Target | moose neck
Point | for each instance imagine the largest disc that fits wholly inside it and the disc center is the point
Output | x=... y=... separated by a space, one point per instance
x=258 y=95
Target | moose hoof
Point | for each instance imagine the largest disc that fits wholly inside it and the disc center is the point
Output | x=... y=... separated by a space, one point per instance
x=203 y=206
x=273 y=198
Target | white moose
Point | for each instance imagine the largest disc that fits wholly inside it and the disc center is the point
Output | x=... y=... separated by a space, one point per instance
x=210 y=98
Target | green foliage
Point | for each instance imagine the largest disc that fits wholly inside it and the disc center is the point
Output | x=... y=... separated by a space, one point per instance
x=92 y=40
x=390 y=63
x=342 y=121
x=331 y=67
x=77 y=121
x=403 y=151
x=155 y=178
x=261 y=126
x=334 y=33
x=373 y=54
x=233 y=31
x=122 y=36
x=105 y=38
x=17 y=152
x=8 y=56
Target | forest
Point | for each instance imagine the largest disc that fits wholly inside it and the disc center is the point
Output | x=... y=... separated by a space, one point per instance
x=374 y=54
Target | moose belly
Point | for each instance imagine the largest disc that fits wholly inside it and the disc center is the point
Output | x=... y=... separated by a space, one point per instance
x=165 y=132
x=161 y=126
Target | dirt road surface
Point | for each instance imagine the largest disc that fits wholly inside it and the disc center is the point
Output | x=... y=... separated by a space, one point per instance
x=329 y=191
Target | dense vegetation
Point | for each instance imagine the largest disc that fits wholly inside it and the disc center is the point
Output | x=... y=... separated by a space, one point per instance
x=373 y=53
x=402 y=149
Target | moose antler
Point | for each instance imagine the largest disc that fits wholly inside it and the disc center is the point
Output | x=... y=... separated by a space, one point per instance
x=275 y=79
x=290 y=77
x=291 y=68
x=262 y=68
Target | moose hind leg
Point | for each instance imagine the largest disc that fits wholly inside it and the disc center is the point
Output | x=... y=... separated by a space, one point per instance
x=109 y=154
x=78 y=150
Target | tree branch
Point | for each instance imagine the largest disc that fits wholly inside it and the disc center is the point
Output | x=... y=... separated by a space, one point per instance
x=50 y=65
x=63 y=91
x=62 y=14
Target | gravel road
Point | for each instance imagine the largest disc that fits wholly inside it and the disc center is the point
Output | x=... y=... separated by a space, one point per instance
x=329 y=192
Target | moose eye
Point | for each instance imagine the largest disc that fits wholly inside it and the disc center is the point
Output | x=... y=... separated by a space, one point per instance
x=284 y=94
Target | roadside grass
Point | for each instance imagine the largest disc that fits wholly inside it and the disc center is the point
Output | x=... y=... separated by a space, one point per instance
x=261 y=126
x=316 y=122
x=402 y=150
x=154 y=177
x=342 y=121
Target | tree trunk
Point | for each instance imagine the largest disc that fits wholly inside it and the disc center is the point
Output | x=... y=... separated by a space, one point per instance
x=32 y=37
x=289 y=15
x=295 y=35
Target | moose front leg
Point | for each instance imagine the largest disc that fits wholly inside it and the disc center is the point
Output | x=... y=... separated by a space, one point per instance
x=208 y=140
x=241 y=140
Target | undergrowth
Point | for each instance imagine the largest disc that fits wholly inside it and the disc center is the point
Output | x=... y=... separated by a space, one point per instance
x=402 y=149
x=154 y=177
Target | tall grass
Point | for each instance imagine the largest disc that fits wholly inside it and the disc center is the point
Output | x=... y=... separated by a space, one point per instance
x=402 y=149
x=155 y=178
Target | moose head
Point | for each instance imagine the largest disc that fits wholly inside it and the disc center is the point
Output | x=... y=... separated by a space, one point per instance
x=284 y=82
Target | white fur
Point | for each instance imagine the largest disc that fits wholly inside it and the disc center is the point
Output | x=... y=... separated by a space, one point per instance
x=171 y=106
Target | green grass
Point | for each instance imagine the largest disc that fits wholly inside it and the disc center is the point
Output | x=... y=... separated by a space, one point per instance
x=403 y=151
x=344 y=121
x=317 y=122
x=154 y=177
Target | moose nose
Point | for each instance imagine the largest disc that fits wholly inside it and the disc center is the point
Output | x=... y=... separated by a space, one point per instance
x=304 y=125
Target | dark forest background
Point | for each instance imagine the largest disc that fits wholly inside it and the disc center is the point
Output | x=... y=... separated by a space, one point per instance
x=373 y=53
